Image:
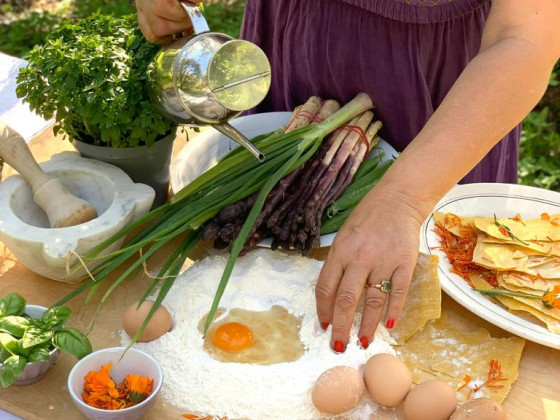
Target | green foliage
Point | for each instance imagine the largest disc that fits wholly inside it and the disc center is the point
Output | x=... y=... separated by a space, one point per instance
x=24 y=339
x=11 y=304
x=225 y=18
x=11 y=369
x=539 y=164
x=91 y=76
x=21 y=35
x=106 y=7
x=539 y=151
x=72 y=341
x=30 y=29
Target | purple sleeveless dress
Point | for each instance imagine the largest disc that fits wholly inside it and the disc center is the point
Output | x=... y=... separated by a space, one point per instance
x=406 y=54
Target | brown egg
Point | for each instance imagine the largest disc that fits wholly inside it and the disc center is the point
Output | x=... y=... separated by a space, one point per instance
x=158 y=325
x=480 y=409
x=387 y=378
x=430 y=400
x=337 y=390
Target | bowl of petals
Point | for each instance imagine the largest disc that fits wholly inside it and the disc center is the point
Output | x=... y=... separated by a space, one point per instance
x=115 y=384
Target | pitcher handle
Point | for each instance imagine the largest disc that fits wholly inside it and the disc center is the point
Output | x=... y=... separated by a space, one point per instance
x=199 y=23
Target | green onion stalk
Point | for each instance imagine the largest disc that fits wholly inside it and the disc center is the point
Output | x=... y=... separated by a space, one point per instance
x=234 y=177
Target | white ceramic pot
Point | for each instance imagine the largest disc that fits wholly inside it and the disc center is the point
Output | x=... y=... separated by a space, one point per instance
x=147 y=165
x=24 y=226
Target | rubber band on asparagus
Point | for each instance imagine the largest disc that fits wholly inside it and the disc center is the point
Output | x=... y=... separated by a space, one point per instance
x=361 y=133
x=304 y=114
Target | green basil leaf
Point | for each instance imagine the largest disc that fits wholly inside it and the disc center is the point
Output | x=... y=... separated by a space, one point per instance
x=15 y=325
x=40 y=354
x=56 y=316
x=24 y=351
x=4 y=354
x=37 y=323
x=12 y=304
x=72 y=341
x=34 y=336
x=9 y=343
x=12 y=368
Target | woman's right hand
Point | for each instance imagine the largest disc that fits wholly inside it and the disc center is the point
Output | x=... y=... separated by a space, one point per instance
x=159 y=19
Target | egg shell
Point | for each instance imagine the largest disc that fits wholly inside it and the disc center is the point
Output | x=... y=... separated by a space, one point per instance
x=159 y=324
x=387 y=379
x=430 y=400
x=480 y=409
x=338 y=390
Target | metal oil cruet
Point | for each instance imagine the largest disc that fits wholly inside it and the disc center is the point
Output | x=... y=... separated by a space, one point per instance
x=209 y=78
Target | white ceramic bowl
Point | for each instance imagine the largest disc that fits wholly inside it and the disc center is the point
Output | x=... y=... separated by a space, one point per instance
x=36 y=370
x=133 y=362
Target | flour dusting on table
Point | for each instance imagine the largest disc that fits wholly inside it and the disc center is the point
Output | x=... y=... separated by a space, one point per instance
x=196 y=382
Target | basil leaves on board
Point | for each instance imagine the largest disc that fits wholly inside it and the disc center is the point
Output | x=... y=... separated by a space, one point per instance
x=29 y=340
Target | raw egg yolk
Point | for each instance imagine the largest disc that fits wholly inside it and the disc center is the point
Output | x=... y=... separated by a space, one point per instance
x=232 y=337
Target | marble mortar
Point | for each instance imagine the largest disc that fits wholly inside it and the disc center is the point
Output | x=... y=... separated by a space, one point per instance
x=25 y=229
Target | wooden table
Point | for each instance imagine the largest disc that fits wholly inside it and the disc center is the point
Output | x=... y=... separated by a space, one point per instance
x=534 y=396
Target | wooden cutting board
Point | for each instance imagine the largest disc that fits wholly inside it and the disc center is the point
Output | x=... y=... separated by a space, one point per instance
x=535 y=395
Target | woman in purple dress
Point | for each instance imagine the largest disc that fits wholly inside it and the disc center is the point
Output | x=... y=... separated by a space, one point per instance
x=451 y=81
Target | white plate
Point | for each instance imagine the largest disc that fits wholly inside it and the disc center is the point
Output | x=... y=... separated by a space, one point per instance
x=204 y=151
x=503 y=200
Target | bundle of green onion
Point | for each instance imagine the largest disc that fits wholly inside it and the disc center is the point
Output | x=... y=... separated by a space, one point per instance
x=236 y=176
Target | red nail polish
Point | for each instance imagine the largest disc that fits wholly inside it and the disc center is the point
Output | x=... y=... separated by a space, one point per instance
x=324 y=326
x=390 y=323
x=339 y=346
x=364 y=342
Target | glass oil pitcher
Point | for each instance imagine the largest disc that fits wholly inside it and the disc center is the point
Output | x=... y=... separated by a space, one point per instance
x=209 y=78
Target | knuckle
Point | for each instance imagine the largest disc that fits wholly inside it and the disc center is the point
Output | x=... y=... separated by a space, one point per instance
x=398 y=294
x=346 y=300
x=368 y=325
x=336 y=247
x=324 y=292
x=339 y=331
x=374 y=301
x=363 y=256
x=159 y=28
x=150 y=37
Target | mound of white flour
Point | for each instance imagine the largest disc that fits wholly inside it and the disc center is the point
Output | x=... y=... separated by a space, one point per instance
x=196 y=382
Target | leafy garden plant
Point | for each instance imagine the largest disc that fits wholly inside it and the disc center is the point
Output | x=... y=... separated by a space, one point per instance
x=26 y=340
x=90 y=75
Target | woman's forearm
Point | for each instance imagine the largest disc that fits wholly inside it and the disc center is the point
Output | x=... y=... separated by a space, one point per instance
x=494 y=93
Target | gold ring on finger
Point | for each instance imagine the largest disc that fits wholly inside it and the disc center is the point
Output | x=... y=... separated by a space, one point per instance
x=384 y=286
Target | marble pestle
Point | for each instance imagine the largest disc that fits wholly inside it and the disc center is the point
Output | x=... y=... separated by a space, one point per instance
x=62 y=208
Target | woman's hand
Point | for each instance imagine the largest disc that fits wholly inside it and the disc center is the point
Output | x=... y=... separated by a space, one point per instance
x=378 y=242
x=159 y=19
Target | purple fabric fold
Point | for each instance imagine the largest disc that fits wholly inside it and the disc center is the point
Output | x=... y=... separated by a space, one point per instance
x=419 y=11
x=405 y=56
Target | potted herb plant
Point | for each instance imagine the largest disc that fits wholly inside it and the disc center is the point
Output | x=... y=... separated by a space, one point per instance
x=31 y=338
x=90 y=75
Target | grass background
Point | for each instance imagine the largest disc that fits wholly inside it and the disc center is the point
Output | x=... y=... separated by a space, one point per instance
x=25 y=23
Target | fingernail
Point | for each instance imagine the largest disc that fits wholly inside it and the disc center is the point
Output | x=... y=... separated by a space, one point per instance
x=324 y=326
x=339 y=346
x=364 y=342
x=390 y=323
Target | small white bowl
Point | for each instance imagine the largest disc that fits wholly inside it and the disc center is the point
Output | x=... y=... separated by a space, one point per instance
x=35 y=371
x=133 y=362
